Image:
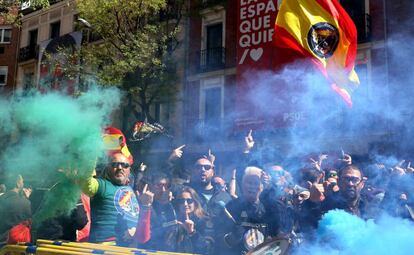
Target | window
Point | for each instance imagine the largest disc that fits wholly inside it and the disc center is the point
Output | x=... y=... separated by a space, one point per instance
x=5 y=35
x=55 y=30
x=211 y=105
x=214 y=44
x=3 y=75
x=212 y=52
x=215 y=36
x=160 y=112
x=359 y=12
x=33 y=38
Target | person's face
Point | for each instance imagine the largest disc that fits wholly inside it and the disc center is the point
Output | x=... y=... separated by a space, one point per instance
x=252 y=187
x=185 y=203
x=160 y=188
x=119 y=169
x=203 y=171
x=350 y=184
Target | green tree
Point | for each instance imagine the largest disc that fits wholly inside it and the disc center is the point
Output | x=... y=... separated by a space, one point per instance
x=9 y=9
x=139 y=38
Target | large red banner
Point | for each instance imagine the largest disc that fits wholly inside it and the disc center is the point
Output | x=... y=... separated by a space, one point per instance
x=256 y=21
x=263 y=99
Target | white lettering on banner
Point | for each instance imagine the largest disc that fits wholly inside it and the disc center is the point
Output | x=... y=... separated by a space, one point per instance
x=247 y=26
x=257 y=38
x=246 y=2
x=255 y=26
x=293 y=116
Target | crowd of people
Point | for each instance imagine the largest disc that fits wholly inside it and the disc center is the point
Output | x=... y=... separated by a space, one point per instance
x=211 y=214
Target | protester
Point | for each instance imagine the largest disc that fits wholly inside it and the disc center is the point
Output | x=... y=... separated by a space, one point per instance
x=114 y=208
x=351 y=182
x=201 y=182
x=64 y=226
x=172 y=211
x=15 y=209
x=164 y=223
x=195 y=232
x=249 y=221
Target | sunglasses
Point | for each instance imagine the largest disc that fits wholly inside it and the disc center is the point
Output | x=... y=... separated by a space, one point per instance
x=122 y=164
x=204 y=167
x=160 y=185
x=351 y=179
x=332 y=174
x=183 y=200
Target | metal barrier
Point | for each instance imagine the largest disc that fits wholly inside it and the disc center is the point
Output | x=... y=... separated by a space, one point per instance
x=47 y=247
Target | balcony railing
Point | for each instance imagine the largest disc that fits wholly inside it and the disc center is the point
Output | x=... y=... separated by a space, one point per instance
x=212 y=59
x=28 y=53
x=210 y=3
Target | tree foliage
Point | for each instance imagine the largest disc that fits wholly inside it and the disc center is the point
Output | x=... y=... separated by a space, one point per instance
x=9 y=9
x=136 y=50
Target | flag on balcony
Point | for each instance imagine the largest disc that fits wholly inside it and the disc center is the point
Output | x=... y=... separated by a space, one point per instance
x=323 y=32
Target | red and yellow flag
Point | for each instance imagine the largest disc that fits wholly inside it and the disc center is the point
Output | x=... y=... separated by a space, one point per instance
x=322 y=31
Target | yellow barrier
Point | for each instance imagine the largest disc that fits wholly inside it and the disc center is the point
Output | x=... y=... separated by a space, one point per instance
x=20 y=249
x=48 y=247
x=83 y=250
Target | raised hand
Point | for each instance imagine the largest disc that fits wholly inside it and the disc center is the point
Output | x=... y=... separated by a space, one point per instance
x=233 y=184
x=177 y=153
x=316 y=192
x=147 y=197
x=188 y=224
x=346 y=158
x=142 y=167
x=315 y=164
x=398 y=169
x=409 y=169
x=166 y=195
x=211 y=157
x=248 y=142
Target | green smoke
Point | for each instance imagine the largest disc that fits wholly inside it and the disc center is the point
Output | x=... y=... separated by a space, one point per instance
x=44 y=133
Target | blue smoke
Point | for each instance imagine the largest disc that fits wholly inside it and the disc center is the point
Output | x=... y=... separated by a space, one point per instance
x=342 y=233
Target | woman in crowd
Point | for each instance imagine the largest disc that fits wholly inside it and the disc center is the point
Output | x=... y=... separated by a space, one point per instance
x=195 y=230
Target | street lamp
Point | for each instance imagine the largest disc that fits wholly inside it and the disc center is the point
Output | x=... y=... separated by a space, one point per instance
x=85 y=23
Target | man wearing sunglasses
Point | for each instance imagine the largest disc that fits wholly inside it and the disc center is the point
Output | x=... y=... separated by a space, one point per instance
x=350 y=182
x=201 y=181
x=201 y=176
x=115 y=213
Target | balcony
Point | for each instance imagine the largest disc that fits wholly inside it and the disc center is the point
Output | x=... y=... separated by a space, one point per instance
x=28 y=53
x=212 y=59
x=211 y=3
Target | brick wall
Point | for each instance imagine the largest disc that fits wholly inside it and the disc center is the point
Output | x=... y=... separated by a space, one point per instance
x=9 y=58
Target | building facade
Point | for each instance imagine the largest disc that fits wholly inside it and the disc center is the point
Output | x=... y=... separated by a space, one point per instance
x=44 y=32
x=9 y=40
x=38 y=29
x=211 y=80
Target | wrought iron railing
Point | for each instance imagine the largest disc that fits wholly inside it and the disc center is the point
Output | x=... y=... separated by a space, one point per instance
x=212 y=59
x=28 y=53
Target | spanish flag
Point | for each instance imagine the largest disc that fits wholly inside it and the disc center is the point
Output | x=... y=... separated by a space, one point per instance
x=114 y=142
x=322 y=31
